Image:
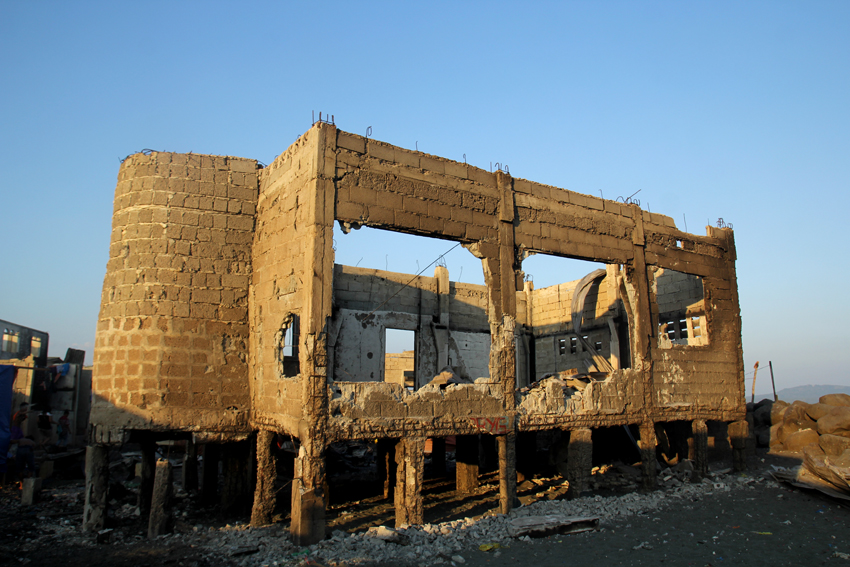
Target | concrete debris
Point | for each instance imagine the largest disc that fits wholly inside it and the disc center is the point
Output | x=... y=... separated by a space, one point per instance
x=542 y=526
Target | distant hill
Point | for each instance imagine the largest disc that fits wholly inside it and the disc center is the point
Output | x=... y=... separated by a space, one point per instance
x=809 y=394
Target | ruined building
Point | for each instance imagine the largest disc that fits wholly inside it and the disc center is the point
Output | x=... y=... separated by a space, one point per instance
x=225 y=318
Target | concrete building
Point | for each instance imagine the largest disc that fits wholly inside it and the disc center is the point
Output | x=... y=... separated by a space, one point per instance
x=224 y=316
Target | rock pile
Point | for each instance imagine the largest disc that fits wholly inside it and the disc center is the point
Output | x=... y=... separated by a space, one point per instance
x=820 y=432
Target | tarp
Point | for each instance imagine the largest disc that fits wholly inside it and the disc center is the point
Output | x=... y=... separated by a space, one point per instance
x=7 y=378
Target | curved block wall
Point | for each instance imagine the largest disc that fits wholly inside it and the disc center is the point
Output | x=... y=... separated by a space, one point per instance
x=172 y=336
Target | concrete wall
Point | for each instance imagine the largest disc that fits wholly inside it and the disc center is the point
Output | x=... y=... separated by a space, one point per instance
x=212 y=263
x=172 y=336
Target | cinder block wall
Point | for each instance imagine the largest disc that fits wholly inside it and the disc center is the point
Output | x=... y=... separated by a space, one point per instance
x=172 y=337
x=282 y=272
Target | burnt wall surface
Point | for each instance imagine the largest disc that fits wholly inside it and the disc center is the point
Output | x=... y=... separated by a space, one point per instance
x=172 y=335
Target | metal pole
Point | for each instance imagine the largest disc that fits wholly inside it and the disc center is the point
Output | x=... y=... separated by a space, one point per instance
x=775 y=398
x=755 y=373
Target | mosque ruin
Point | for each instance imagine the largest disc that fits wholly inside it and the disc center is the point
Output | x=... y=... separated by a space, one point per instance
x=226 y=322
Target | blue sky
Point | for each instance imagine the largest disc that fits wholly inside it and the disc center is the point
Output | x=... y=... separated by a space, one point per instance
x=736 y=110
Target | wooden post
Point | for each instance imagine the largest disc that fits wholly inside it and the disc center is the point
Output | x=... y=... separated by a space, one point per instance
x=410 y=460
x=97 y=485
x=507 y=472
x=386 y=466
x=466 y=463
x=190 y=467
x=148 y=446
x=160 y=519
x=772 y=383
x=755 y=373
x=264 y=493
x=738 y=433
x=579 y=461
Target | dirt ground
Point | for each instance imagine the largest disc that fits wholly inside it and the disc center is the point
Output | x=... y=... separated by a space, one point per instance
x=759 y=523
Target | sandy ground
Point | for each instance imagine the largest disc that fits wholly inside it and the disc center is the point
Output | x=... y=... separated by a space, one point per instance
x=746 y=523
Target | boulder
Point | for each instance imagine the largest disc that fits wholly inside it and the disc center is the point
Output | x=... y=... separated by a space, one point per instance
x=761 y=416
x=817 y=411
x=840 y=400
x=763 y=436
x=799 y=439
x=798 y=414
x=842 y=460
x=836 y=422
x=777 y=412
x=775 y=433
x=834 y=445
x=785 y=429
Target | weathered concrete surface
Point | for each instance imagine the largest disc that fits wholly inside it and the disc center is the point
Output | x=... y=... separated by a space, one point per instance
x=160 y=520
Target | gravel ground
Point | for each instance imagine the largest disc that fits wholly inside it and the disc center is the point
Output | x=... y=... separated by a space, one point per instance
x=727 y=519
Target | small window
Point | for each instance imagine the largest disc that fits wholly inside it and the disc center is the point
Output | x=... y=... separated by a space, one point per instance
x=562 y=346
x=400 y=357
x=697 y=332
x=35 y=347
x=573 y=345
x=598 y=346
x=10 y=341
x=287 y=342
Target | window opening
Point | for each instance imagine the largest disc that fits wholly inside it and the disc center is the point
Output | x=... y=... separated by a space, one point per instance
x=287 y=351
x=400 y=357
x=10 y=341
x=584 y=342
x=680 y=302
x=35 y=346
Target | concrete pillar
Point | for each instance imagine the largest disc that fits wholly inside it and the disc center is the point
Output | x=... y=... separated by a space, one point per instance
x=160 y=520
x=30 y=489
x=507 y=472
x=190 y=467
x=209 y=485
x=386 y=466
x=410 y=460
x=647 y=455
x=308 y=499
x=579 y=462
x=148 y=467
x=97 y=484
x=264 y=494
x=700 y=436
x=466 y=463
x=739 y=431
x=438 y=457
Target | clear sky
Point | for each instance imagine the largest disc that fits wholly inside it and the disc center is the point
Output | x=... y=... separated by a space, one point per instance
x=736 y=110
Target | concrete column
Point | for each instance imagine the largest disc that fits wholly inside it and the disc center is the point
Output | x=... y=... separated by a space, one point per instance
x=739 y=431
x=438 y=457
x=700 y=433
x=160 y=520
x=264 y=494
x=647 y=454
x=466 y=463
x=507 y=472
x=97 y=484
x=209 y=486
x=190 y=467
x=148 y=447
x=410 y=460
x=308 y=499
x=386 y=466
x=579 y=461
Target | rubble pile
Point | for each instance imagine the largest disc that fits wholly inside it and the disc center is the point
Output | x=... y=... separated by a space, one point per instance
x=429 y=544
